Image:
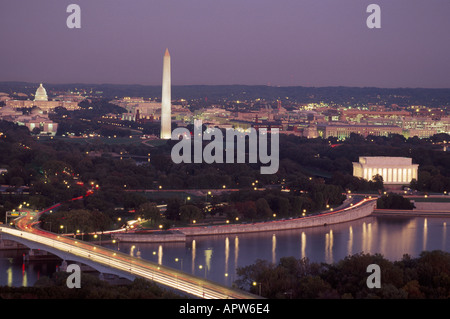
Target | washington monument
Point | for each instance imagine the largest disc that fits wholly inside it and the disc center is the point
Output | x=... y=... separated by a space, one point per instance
x=166 y=100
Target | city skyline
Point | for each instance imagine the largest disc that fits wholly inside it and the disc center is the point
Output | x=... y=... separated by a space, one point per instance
x=309 y=156
x=285 y=43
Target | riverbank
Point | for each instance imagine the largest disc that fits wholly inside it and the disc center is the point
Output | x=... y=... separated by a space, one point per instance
x=153 y=237
x=413 y=213
x=351 y=212
x=422 y=209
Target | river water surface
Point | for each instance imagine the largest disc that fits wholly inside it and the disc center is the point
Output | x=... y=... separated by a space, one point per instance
x=217 y=257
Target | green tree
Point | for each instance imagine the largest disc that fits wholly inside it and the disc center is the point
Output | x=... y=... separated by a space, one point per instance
x=247 y=209
x=150 y=212
x=394 y=201
x=189 y=213
x=262 y=208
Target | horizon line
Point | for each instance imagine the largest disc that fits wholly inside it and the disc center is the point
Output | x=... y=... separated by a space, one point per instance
x=255 y=85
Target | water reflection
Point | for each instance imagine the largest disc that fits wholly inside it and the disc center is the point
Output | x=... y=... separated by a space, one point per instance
x=208 y=256
x=24 y=276
x=227 y=254
x=274 y=248
x=236 y=250
x=194 y=252
x=350 y=241
x=391 y=237
x=444 y=235
x=367 y=237
x=329 y=247
x=217 y=257
x=15 y=272
x=10 y=275
x=425 y=233
x=160 y=254
x=303 y=243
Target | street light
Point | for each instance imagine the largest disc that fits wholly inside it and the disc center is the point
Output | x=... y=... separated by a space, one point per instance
x=257 y=284
x=181 y=262
x=95 y=236
x=62 y=227
x=201 y=267
x=82 y=234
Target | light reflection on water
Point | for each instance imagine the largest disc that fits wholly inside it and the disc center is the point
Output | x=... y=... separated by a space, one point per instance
x=217 y=257
x=14 y=272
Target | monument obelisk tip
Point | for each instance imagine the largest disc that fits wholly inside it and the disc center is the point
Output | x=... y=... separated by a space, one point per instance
x=166 y=131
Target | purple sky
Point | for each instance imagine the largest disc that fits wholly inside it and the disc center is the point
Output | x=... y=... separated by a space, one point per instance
x=276 y=42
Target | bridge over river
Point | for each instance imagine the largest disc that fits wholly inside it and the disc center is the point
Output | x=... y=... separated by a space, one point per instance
x=112 y=262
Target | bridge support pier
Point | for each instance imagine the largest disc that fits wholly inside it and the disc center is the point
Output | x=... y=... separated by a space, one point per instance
x=63 y=266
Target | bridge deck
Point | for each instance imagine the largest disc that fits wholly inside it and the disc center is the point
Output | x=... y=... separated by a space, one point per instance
x=136 y=267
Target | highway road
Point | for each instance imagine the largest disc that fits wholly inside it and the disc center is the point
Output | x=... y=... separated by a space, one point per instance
x=166 y=276
x=189 y=284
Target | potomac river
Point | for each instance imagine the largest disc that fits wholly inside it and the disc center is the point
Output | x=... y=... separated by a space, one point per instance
x=217 y=257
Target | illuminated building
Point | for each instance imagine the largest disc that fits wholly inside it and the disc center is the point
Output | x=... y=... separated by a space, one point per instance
x=342 y=131
x=394 y=170
x=41 y=94
x=36 y=119
x=42 y=102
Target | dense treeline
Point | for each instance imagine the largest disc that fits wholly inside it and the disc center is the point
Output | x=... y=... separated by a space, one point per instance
x=332 y=158
x=315 y=172
x=310 y=197
x=91 y=288
x=424 y=277
x=394 y=201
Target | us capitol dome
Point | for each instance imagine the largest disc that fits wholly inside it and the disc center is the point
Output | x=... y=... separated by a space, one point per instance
x=41 y=94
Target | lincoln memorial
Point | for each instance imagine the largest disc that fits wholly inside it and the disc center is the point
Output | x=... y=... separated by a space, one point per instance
x=394 y=170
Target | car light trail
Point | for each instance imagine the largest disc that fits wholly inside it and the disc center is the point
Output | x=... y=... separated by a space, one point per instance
x=138 y=267
x=163 y=275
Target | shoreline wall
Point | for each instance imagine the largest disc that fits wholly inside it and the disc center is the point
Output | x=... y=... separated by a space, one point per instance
x=432 y=206
x=149 y=238
x=180 y=234
x=353 y=213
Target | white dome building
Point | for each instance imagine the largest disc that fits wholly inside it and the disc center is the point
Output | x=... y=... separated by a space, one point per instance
x=41 y=94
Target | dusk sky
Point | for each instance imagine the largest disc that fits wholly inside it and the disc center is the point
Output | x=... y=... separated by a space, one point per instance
x=254 y=42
